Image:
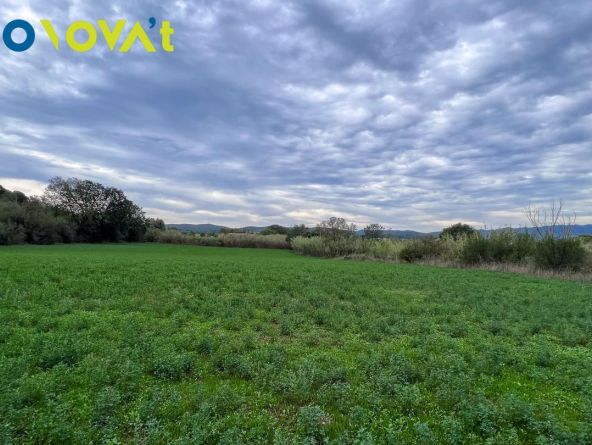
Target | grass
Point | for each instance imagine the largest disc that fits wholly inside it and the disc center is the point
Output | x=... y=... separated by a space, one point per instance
x=179 y=344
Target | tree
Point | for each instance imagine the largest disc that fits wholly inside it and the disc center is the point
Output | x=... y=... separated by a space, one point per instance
x=552 y=222
x=44 y=226
x=275 y=229
x=226 y=230
x=556 y=248
x=336 y=228
x=298 y=230
x=155 y=223
x=101 y=213
x=11 y=233
x=457 y=231
x=29 y=220
x=373 y=231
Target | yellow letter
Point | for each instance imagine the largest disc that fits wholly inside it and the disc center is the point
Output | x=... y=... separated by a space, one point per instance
x=111 y=37
x=90 y=41
x=166 y=31
x=53 y=36
x=137 y=32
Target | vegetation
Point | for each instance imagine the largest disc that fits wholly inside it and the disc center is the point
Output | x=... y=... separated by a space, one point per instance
x=374 y=231
x=568 y=253
x=28 y=220
x=335 y=229
x=71 y=210
x=160 y=344
x=457 y=231
x=502 y=246
x=230 y=239
x=460 y=245
x=74 y=210
x=100 y=213
x=275 y=230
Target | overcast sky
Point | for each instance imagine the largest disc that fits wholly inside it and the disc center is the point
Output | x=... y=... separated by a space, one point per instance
x=414 y=114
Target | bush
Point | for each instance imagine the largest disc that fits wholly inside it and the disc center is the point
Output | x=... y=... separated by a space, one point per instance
x=330 y=247
x=10 y=233
x=299 y=230
x=458 y=231
x=253 y=240
x=560 y=254
x=501 y=246
x=274 y=230
x=476 y=250
x=421 y=249
x=172 y=236
x=451 y=249
x=386 y=249
x=524 y=245
x=312 y=422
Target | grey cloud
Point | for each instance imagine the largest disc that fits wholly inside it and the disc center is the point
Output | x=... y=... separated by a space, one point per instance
x=407 y=113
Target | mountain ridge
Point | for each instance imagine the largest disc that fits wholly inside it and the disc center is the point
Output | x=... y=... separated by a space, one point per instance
x=579 y=229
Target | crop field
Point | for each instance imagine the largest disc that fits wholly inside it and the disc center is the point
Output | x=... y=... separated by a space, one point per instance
x=153 y=344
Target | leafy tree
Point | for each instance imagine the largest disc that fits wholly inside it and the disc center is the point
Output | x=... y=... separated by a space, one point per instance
x=226 y=230
x=101 y=213
x=11 y=233
x=298 y=230
x=155 y=223
x=457 y=231
x=43 y=226
x=275 y=229
x=29 y=220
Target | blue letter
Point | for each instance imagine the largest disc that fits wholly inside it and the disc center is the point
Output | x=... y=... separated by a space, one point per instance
x=11 y=44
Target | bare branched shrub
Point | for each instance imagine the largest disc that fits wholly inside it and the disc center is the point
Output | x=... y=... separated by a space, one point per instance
x=336 y=228
x=552 y=222
x=374 y=231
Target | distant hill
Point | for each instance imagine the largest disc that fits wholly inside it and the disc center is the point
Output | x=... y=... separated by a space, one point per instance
x=585 y=229
x=211 y=228
x=196 y=228
x=253 y=229
x=409 y=234
x=581 y=229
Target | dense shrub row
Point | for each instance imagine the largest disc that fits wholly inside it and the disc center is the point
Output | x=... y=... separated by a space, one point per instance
x=498 y=247
x=170 y=236
x=28 y=220
x=75 y=210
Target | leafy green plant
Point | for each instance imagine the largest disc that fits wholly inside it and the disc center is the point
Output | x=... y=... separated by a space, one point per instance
x=421 y=249
x=458 y=231
x=560 y=254
x=154 y=343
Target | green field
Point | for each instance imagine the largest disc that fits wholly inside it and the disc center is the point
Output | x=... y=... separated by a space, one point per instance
x=189 y=345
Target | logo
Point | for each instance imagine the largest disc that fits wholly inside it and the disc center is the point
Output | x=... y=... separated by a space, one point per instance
x=82 y=36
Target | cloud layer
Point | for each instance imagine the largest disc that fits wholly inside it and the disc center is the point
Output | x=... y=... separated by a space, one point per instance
x=413 y=114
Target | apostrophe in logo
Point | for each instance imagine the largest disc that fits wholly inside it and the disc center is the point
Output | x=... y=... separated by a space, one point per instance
x=82 y=36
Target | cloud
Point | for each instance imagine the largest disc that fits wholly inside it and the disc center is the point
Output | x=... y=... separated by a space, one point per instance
x=410 y=113
x=27 y=186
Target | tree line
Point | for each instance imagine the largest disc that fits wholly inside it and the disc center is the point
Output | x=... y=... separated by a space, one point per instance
x=76 y=210
x=72 y=210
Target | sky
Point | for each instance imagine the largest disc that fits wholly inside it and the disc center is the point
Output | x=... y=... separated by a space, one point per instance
x=413 y=114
